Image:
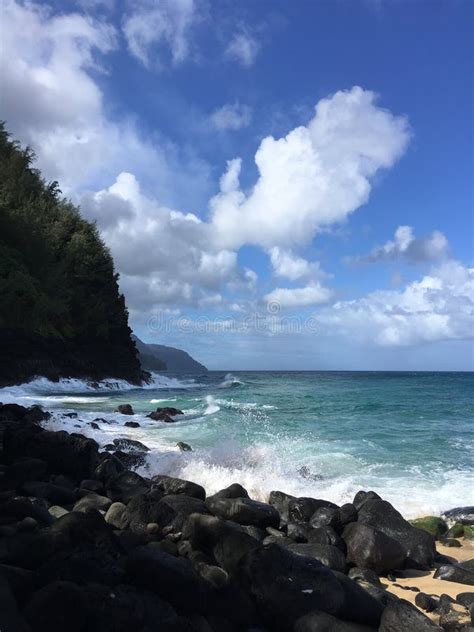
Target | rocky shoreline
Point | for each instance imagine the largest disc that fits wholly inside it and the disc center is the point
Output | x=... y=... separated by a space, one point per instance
x=86 y=544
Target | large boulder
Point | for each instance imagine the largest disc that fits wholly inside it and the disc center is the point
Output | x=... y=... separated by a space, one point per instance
x=287 y=586
x=142 y=510
x=362 y=496
x=402 y=616
x=245 y=511
x=301 y=509
x=92 y=501
x=173 y=510
x=455 y=573
x=56 y=607
x=126 y=486
x=171 y=485
x=419 y=545
x=326 y=554
x=25 y=469
x=326 y=517
x=169 y=577
x=124 y=443
x=10 y=618
x=57 y=494
x=233 y=491
x=369 y=548
x=69 y=454
x=359 y=605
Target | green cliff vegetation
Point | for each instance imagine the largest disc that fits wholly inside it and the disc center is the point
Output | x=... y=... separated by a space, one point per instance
x=57 y=279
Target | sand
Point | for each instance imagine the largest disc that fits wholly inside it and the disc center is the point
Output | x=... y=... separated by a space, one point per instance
x=425 y=581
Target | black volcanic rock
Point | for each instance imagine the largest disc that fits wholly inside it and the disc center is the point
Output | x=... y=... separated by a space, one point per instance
x=161 y=357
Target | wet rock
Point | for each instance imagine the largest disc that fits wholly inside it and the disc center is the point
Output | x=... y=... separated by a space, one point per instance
x=347 y=513
x=56 y=607
x=382 y=516
x=124 y=409
x=463 y=515
x=92 y=501
x=369 y=548
x=328 y=555
x=126 y=486
x=131 y=460
x=20 y=508
x=132 y=424
x=326 y=517
x=301 y=509
x=94 y=425
x=173 y=510
x=359 y=605
x=300 y=531
x=450 y=542
x=56 y=494
x=108 y=469
x=326 y=535
x=165 y=414
x=362 y=496
x=455 y=573
x=124 y=443
x=401 y=616
x=20 y=581
x=281 y=501
x=171 y=485
x=245 y=511
x=184 y=447
x=142 y=510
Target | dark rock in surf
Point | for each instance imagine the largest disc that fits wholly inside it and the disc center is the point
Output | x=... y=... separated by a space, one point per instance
x=301 y=509
x=281 y=502
x=233 y=491
x=463 y=515
x=165 y=414
x=419 y=545
x=172 y=485
x=184 y=447
x=244 y=511
x=124 y=409
x=94 y=425
x=369 y=548
x=133 y=445
x=347 y=514
x=125 y=486
x=108 y=468
x=132 y=424
x=326 y=517
x=361 y=497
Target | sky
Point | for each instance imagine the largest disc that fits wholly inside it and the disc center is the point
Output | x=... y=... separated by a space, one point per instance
x=282 y=185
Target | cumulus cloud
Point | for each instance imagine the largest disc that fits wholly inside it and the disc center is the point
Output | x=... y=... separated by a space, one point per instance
x=153 y=29
x=286 y=264
x=164 y=256
x=231 y=116
x=405 y=246
x=313 y=294
x=438 y=307
x=52 y=101
x=312 y=178
x=243 y=48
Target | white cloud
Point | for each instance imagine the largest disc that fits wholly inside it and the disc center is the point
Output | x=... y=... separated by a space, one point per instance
x=313 y=294
x=231 y=116
x=243 y=48
x=405 y=246
x=152 y=28
x=286 y=264
x=438 y=307
x=51 y=101
x=313 y=177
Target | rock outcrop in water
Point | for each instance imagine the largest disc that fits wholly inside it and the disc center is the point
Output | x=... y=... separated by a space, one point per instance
x=88 y=545
x=61 y=313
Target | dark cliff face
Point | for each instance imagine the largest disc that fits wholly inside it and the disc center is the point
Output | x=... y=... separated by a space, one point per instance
x=173 y=360
x=61 y=313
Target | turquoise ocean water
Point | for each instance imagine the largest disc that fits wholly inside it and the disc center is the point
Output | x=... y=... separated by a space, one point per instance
x=408 y=436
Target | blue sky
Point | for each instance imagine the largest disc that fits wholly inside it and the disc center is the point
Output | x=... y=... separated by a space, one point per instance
x=248 y=227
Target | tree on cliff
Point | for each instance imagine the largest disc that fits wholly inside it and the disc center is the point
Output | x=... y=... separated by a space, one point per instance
x=57 y=279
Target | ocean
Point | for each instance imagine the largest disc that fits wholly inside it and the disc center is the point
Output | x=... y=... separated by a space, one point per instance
x=408 y=436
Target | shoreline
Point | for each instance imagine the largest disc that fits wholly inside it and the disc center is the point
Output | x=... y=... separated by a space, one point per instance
x=78 y=521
